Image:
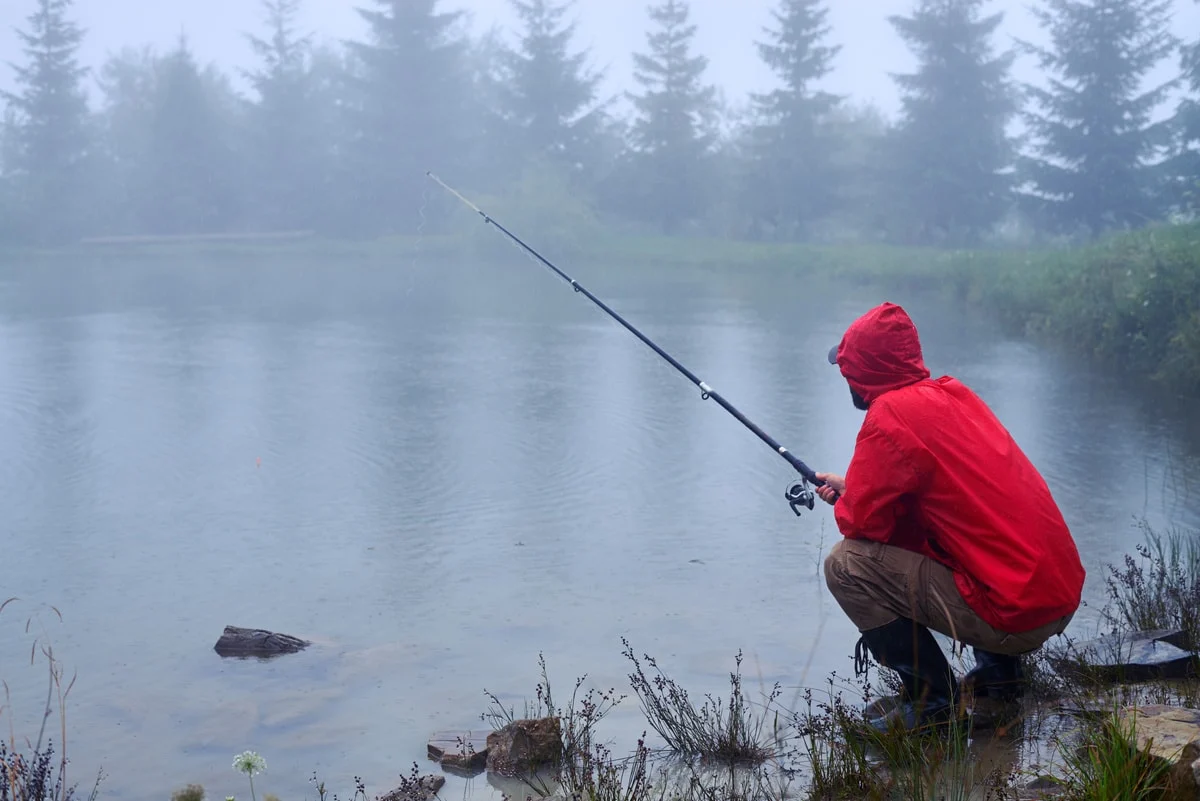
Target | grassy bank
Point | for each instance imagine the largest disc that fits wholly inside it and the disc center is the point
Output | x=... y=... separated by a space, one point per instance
x=1130 y=302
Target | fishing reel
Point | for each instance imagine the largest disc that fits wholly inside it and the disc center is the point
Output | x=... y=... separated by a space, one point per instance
x=800 y=494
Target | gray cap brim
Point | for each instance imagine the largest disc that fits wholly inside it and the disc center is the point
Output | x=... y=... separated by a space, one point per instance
x=833 y=354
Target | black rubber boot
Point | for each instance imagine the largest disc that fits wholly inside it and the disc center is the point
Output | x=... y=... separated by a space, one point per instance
x=995 y=676
x=930 y=697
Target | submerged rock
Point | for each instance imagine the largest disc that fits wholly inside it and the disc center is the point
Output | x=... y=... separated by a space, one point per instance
x=1039 y=788
x=237 y=641
x=524 y=746
x=1141 y=656
x=462 y=753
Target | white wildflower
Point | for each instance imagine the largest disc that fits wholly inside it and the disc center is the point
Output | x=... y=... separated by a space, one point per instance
x=249 y=763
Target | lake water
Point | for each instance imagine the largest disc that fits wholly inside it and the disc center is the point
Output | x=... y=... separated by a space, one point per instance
x=437 y=471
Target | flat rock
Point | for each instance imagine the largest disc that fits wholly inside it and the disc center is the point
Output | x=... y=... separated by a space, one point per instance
x=1163 y=731
x=240 y=642
x=1171 y=734
x=1137 y=657
x=459 y=752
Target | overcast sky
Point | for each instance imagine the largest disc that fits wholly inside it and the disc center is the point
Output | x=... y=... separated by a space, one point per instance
x=611 y=28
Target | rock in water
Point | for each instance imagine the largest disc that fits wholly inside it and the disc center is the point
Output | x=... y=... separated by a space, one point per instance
x=524 y=746
x=237 y=641
x=1136 y=657
x=461 y=753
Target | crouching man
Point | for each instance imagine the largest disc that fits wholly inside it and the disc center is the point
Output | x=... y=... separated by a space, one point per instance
x=946 y=525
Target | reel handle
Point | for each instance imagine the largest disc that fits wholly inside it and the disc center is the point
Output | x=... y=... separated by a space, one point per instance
x=800 y=494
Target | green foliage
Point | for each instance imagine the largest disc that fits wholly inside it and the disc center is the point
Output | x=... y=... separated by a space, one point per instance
x=551 y=94
x=1095 y=132
x=1183 y=168
x=128 y=81
x=1129 y=301
x=189 y=181
x=949 y=155
x=337 y=138
x=285 y=143
x=673 y=131
x=1106 y=764
x=408 y=107
x=48 y=138
x=792 y=176
x=171 y=156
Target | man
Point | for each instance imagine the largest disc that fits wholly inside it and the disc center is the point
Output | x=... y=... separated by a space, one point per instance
x=946 y=525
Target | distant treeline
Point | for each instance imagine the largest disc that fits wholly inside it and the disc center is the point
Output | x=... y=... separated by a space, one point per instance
x=336 y=139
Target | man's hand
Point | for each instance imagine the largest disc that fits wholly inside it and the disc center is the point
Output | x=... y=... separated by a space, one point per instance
x=834 y=485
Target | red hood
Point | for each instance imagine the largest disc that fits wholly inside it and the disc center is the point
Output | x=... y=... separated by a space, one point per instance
x=881 y=351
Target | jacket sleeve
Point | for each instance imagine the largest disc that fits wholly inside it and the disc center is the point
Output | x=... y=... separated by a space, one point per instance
x=880 y=482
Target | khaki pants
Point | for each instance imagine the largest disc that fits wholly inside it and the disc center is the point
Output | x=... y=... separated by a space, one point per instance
x=876 y=583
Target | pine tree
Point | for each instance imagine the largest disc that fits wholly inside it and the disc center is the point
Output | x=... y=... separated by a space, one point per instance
x=1094 y=167
x=950 y=153
x=128 y=81
x=793 y=180
x=285 y=133
x=9 y=216
x=551 y=97
x=51 y=139
x=673 y=131
x=189 y=171
x=1184 y=167
x=410 y=113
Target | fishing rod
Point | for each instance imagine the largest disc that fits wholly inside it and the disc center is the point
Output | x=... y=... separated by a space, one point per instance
x=798 y=493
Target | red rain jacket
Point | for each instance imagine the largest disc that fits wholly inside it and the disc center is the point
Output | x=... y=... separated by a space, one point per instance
x=935 y=472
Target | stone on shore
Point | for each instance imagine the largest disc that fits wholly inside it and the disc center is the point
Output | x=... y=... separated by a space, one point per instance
x=240 y=642
x=1172 y=734
x=1137 y=657
x=462 y=753
x=525 y=746
x=424 y=789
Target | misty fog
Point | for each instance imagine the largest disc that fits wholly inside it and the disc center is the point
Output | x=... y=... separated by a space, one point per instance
x=257 y=370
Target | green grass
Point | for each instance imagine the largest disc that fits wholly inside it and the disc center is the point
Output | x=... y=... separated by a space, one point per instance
x=1131 y=302
x=1103 y=763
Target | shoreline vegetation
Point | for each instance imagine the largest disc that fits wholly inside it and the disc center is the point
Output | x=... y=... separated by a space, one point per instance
x=1083 y=732
x=1128 y=302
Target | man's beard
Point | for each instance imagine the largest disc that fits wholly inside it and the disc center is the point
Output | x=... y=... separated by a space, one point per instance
x=859 y=403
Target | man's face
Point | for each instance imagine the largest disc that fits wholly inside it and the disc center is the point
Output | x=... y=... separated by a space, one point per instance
x=859 y=403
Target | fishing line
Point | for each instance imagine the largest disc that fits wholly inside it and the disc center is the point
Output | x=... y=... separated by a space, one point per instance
x=798 y=494
x=420 y=239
